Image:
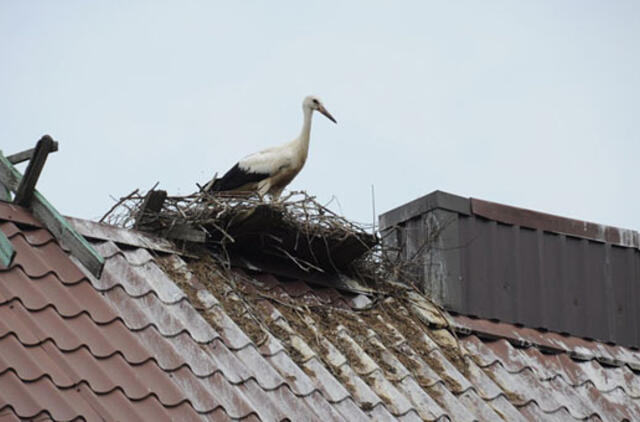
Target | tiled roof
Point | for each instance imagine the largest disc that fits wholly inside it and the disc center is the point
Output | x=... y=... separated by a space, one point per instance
x=165 y=336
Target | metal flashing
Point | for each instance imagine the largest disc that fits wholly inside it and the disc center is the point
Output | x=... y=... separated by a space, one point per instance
x=522 y=266
x=6 y=251
x=51 y=218
x=553 y=223
x=435 y=200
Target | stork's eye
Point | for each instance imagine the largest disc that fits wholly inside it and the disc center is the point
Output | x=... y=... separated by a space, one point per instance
x=315 y=101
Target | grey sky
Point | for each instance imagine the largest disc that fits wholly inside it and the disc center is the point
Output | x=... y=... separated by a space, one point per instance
x=532 y=104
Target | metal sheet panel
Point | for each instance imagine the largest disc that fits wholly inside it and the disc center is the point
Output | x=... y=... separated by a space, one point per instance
x=552 y=223
x=549 y=280
x=522 y=266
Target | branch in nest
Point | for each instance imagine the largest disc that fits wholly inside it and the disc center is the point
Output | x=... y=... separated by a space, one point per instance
x=118 y=204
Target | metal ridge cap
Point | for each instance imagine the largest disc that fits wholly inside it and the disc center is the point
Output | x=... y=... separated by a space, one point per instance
x=509 y=214
x=436 y=199
x=554 y=223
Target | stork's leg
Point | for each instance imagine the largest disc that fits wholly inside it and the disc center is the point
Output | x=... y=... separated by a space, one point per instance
x=264 y=187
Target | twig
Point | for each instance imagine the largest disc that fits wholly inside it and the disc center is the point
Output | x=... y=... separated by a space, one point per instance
x=117 y=204
x=299 y=262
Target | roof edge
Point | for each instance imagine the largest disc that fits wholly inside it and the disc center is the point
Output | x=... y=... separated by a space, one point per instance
x=130 y=237
x=436 y=199
x=553 y=223
x=512 y=215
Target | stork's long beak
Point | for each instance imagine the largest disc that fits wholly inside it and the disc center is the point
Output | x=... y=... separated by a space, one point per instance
x=324 y=111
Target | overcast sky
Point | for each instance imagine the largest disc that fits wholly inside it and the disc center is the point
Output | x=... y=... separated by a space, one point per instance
x=534 y=104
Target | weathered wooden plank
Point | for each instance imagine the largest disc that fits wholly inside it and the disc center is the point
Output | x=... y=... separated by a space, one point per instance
x=421 y=206
x=5 y=194
x=152 y=204
x=66 y=235
x=54 y=222
x=130 y=237
x=186 y=232
x=27 y=185
x=9 y=177
x=27 y=154
x=270 y=266
x=6 y=250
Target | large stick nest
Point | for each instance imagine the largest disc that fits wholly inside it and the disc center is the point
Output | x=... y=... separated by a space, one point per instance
x=294 y=229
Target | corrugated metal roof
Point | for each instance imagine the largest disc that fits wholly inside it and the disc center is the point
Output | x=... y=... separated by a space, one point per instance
x=500 y=262
x=164 y=337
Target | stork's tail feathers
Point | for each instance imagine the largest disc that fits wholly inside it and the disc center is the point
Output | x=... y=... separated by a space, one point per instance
x=236 y=178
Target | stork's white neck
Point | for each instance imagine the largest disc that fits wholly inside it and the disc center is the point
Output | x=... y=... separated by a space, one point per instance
x=302 y=142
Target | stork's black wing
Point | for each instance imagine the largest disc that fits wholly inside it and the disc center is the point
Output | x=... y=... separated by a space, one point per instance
x=235 y=178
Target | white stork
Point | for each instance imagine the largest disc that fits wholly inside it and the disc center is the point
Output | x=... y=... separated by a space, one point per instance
x=271 y=170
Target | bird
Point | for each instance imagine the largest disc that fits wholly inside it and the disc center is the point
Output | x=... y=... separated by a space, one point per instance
x=271 y=170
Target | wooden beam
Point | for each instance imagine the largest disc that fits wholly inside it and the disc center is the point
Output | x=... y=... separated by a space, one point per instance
x=152 y=204
x=6 y=250
x=27 y=154
x=53 y=221
x=66 y=235
x=27 y=185
x=130 y=237
x=5 y=194
x=186 y=232
x=9 y=176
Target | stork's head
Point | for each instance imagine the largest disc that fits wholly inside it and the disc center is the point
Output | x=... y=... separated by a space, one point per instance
x=312 y=102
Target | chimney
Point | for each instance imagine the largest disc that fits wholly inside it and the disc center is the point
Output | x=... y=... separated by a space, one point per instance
x=494 y=261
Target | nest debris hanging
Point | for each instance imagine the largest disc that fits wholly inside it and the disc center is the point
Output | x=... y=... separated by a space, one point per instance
x=296 y=232
x=294 y=229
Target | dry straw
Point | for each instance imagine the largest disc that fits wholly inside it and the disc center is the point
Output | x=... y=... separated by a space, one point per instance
x=297 y=228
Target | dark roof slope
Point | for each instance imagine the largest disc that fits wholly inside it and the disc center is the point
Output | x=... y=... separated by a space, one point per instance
x=168 y=337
